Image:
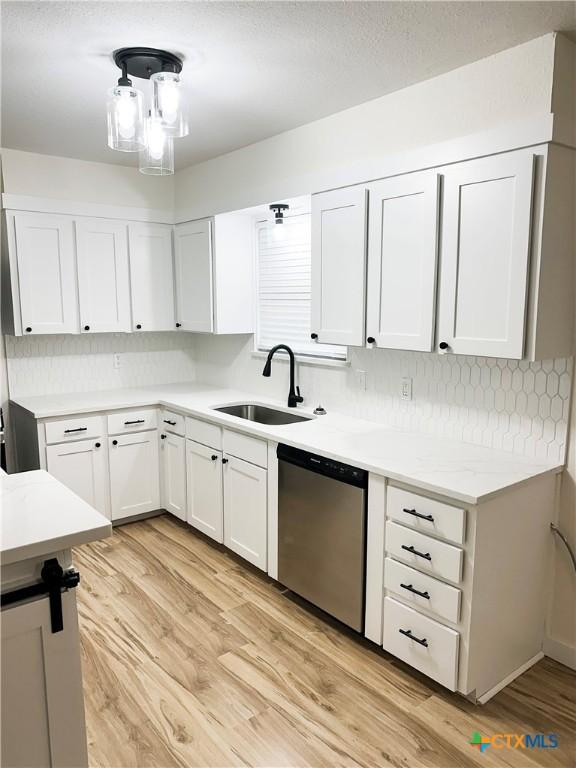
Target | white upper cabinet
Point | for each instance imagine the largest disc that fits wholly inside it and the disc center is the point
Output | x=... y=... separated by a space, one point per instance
x=339 y=266
x=151 y=277
x=194 y=290
x=44 y=249
x=486 y=229
x=103 y=282
x=402 y=253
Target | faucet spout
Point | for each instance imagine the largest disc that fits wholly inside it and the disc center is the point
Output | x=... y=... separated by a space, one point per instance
x=294 y=396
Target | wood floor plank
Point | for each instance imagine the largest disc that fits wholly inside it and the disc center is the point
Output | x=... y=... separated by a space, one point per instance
x=192 y=659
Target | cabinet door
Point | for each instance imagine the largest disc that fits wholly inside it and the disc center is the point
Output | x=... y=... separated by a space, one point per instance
x=151 y=277
x=173 y=475
x=103 y=284
x=402 y=248
x=82 y=467
x=486 y=221
x=339 y=266
x=245 y=510
x=43 y=714
x=46 y=273
x=204 y=477
x=134 y=474
x=193 y=259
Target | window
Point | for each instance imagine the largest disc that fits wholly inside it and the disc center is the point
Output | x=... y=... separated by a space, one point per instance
x=284 y=288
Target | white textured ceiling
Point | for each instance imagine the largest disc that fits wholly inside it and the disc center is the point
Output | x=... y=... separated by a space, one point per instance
x=252 y=69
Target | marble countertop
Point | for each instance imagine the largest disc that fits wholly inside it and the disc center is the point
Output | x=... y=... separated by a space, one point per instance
x=40 y=516
x=464 y=472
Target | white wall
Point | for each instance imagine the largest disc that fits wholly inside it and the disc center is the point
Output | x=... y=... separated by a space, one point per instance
x=503 y=88
x=63 y=178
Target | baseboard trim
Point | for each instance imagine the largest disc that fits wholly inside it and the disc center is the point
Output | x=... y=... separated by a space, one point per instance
x=507 y=680
x=560 y=652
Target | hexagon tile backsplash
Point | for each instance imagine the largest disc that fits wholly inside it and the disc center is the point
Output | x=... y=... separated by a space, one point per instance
x=511 y=405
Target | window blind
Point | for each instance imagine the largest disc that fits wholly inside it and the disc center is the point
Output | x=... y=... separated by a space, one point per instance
x=284 y=288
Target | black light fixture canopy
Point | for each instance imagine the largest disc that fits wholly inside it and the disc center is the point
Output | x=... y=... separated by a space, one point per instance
x=144 y=62
x=279 y=209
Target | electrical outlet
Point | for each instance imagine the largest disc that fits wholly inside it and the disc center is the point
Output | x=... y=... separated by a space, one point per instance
x=117 y=360
x=361 y=378
x=406 y=388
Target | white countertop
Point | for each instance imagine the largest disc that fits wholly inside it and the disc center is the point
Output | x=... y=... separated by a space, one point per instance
x=464 y=472
x=40 y=516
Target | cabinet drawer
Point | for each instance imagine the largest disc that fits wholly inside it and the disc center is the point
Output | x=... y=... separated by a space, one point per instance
x=422 y=591
x=245 y=447
x=426 y=515
x=74 y=428
x=172 y=422
x=204 y=432
x=132 y=421
x=424 y=552
x=436 y=655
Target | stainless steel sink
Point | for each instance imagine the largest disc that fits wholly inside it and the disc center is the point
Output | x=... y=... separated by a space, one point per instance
x=262 y=414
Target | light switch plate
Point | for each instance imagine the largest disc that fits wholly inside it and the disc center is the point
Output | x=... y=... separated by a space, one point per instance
x=406 y=388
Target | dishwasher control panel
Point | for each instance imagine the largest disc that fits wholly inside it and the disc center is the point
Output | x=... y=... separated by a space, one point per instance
x=323 y=466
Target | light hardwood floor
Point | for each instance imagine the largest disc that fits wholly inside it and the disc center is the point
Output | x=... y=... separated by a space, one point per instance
x=191 y=658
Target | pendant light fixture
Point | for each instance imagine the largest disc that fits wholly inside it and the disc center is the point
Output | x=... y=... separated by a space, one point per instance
x=128 y=131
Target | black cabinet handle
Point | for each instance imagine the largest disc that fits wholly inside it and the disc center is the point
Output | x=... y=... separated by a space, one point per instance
x=172 y=423
x=371 y=340
x=213 y=457
x=418 y=515
x=135 y=421
x=78 y=429
x=28 y=330
x=96 y=445
x=224 y=461
x=314 y=336
x=410 y=588
x=163 y=437
x=138 y=326
x=178 y=325
x=408 y=633
x=86 y=327
x=114 y=442
x=425 y=555
x=444 y=345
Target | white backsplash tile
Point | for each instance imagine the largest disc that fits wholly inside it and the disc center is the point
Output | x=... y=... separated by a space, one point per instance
x=512 y=405
x=507 y=404
x=52 y=364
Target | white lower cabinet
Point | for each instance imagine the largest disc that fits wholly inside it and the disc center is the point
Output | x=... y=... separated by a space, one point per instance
x=41 y=672
x=83 y=467
x=204 y=478
x=421 y=642
x=245 y=510
x=173 y=474
x=134 y=474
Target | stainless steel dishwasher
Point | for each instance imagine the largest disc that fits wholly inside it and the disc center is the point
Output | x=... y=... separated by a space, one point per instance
x=322 y=532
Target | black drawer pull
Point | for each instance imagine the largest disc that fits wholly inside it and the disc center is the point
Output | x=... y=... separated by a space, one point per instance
x=410 y=588
x=79 y=429
x=408 y=633
x=418 y=514
x=172 y=423
x=425 y=555
x=135 y=421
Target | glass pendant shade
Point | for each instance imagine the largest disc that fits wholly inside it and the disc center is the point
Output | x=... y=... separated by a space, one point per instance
x=167 y=103
x=157 y=157
x=125 y=119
